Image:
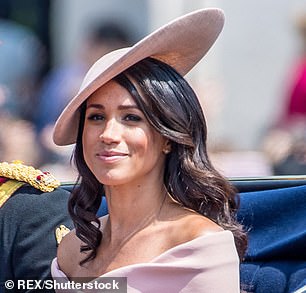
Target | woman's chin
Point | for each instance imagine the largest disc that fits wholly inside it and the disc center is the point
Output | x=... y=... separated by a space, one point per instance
x=111 y=181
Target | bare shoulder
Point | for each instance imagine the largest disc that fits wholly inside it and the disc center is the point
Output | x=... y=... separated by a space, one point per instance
x=198 y=225
x=183 y=224
x=67 y=251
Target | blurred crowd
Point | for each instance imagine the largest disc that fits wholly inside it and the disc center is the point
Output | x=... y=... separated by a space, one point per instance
x=285 y=141
x=30 y=104
x=282 y=146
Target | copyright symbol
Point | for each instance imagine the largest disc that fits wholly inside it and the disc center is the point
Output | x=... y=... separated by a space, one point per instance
x=9 y=284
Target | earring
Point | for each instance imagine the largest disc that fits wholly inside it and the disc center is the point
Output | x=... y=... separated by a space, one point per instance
x=166 y=151
x=167 y=148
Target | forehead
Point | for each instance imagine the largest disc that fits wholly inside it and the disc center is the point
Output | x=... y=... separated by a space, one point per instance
x=112 y=93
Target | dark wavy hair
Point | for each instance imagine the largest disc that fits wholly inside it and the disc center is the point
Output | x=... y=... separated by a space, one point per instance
x=172 y=108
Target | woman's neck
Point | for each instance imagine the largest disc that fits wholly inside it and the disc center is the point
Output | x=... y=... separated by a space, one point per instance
x=132 y=208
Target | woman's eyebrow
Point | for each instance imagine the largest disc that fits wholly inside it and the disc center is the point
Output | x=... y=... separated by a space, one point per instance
x=96 y=106
x=120 y=107
x=127 y=107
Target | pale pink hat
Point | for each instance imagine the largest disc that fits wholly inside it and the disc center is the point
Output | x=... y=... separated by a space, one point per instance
x=181 y=44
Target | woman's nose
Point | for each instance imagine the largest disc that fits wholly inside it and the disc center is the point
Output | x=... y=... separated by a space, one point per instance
x=110 y=132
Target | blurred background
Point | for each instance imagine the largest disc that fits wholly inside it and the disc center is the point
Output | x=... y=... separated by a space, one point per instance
x=252 y=84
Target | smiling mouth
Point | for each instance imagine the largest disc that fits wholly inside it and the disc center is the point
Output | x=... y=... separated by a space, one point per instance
x=111 y=157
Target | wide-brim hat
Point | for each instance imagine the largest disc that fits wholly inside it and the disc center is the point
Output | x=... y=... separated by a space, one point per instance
x=182 y=43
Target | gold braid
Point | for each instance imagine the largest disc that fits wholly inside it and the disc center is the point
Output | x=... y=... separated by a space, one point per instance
x=38 y=179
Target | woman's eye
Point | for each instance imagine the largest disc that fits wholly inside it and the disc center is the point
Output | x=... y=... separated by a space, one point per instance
x=132 y=117
x=95 y=117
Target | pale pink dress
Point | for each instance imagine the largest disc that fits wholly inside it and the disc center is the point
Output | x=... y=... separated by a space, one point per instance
x=207 y=264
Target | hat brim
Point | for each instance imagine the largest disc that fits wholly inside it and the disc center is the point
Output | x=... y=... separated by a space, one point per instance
x=182 y=43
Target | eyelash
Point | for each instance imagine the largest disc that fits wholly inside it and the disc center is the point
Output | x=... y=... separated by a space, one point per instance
x=132 y=117
x=128 y=117
x=95 y=117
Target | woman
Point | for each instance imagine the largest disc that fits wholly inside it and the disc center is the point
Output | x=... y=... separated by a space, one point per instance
x=140 y=139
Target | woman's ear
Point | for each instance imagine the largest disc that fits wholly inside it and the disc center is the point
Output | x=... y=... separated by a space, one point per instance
x=167 y=147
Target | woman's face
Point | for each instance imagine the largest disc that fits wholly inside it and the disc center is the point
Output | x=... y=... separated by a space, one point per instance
x=119 y=144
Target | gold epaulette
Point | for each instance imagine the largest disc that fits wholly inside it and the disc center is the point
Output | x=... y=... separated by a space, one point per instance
x=43 y=181
x=7 y=189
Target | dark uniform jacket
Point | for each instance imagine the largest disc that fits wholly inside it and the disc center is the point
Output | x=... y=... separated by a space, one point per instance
x=28 y=243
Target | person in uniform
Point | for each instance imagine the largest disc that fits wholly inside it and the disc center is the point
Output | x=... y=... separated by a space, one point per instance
x=33 y=220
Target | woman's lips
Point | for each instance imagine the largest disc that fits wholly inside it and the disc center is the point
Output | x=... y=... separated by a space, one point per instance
x=112 y=156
